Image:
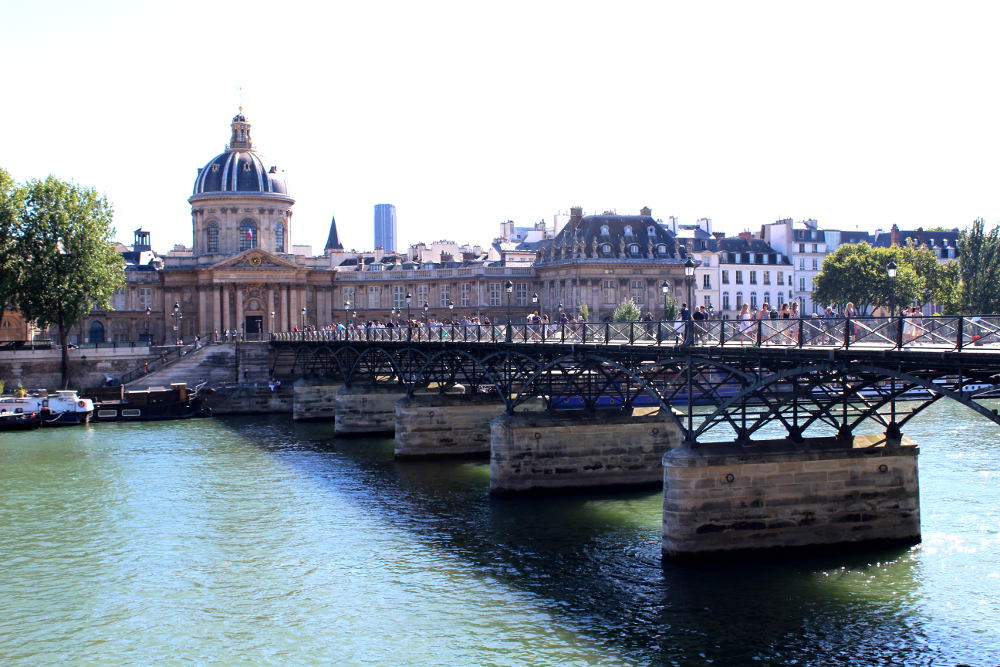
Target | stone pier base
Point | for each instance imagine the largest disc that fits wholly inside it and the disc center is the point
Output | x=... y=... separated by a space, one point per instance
x=575 y=450
x=311 y=402
x=366 y=410
x=720 y=499
x=435 y=425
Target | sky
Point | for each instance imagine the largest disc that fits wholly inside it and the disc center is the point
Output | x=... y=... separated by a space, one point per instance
x=466 y=114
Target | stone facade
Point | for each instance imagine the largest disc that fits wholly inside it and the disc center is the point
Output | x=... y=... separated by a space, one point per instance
x=434 y=425
x=366 y=410
x=782 y=494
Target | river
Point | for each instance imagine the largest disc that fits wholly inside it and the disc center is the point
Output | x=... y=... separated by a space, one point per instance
x=262 y=541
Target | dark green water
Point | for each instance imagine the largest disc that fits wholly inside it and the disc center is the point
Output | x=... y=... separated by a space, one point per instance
x=262 y=541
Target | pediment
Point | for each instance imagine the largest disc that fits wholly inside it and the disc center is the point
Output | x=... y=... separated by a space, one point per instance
x=253 y=259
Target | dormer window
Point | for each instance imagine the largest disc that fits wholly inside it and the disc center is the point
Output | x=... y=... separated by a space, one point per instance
x=246 y=167
x=606 y=249
x=628 y=230
x=651 y=230
x=661 y=249
x=215 y=168
x=605 y=231
x=633 y=249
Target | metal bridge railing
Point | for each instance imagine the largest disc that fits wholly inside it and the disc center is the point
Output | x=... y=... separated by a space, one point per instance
x=952 y=332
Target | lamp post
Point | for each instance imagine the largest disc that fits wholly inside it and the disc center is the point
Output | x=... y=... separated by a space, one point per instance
x=689 y=280
x=534 y=302
x=409 y=297
x=303 y=320
x=451 y=307
x=177 y=315
x=890 y=269
x=148 y=311
x=665 y=290
x=509 y=288
x=427 y=307
x=272 y=321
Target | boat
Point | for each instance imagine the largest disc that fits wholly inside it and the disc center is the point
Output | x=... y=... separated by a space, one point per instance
x=63 y=408
x=19 y=421
x=116 y=404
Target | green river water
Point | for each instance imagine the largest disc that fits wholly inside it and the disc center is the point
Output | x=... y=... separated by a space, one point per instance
x=236 y=541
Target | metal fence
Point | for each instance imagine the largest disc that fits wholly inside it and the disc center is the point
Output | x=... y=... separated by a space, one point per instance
x=956 y=332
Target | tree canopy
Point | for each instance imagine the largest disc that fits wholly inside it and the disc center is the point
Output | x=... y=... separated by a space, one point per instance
x=627 y=311
x=60 y=234
x=979 y=267
x=856 y=273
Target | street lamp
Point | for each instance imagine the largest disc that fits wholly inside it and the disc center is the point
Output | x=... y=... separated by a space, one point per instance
x=509 y=288
x=148 y=311
x=427 y=307
x=689 y=280
x=890 y=269
x=409 y=297
x=303 y=318
x=534 y=300
x=272 y=321
x=177 y=315
x=665 y=289
x=451 y=305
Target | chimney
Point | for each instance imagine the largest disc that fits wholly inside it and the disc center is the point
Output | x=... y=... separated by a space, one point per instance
x=646 y=211
x=894 y=235
x=746 y=236
x=576 y=214
x=719 y=235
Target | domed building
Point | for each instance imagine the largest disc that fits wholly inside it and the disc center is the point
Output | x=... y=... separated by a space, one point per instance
x=240 y=201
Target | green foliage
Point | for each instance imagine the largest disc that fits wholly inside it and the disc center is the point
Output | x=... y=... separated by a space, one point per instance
x=62 y=235
x=11 y=197
x=669 y=309
x=979 y=268
x=935 y=279
x=627 y=311
x=948 y=291
x=584 y=312
x=856 y=273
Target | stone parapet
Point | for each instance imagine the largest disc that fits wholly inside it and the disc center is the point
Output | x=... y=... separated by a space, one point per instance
x=434 y=425
x=366 y=410
x=719 y=498
x=250 y=399
x=576 y=449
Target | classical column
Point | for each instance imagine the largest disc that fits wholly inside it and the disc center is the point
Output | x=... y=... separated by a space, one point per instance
x=293 y=306
x=216 y=299
x=285 y=312
x=226 y=323
x=270 y=309
x=240 y=320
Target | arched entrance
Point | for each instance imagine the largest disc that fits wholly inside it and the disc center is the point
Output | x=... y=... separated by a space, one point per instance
x=96 y=334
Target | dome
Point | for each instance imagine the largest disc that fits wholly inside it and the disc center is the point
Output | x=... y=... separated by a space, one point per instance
x=239 y=171
x=240 y=168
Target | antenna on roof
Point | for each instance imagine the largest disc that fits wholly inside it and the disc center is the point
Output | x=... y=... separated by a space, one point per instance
x=240 y=90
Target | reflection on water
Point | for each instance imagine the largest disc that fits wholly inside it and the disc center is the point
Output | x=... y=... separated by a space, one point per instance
x=263 y=541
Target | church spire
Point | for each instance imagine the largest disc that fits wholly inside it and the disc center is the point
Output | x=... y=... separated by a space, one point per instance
x=240 y=140
x=333 y=241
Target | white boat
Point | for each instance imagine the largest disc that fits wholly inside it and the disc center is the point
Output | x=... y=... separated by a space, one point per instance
x=64 y=407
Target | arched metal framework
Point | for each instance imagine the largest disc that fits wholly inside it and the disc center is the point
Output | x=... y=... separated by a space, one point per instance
x=712 y=393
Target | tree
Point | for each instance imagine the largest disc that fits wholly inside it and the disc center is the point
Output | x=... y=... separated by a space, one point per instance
x=10 y=269
x=948 y=291
x=933 y=275
x=856 y=273
x=64 y=236
x=627 y=311
x=979 y=267
x=669 y=309
x=584 y=311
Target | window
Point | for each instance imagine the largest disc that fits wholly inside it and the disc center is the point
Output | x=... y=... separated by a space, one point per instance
x=815 y=247
x=118 y=300
x=609 y=291
x=815 y=264
x=248 y=235
x=638 y=291
x=707 y=301
x=521 y=294
x=781 y=298
x=494 y=290
x=753 y=277
x=781 y=278
x=279 y=236
x=802 y=247
x=767 y=277
x=725 y=277
x=767 y=297
x=349 y=297
x=725 y=301
x=802 y=264
x=398 y=296
x=739 y=300
x=423 y=295
x=464 y=291
x=661 y=249
x=606 y=250
x=802 y=284
x=651 y=230
x=633 y=249
x=145 y=298
x=628 y=230
x=753 y=300
x=739 y=277
x=374 y=296
x=605 y=230
x=213 y=237
x=444 y=294
x=706 y=281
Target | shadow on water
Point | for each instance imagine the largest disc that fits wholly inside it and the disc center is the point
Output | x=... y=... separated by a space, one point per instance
x=594 y=560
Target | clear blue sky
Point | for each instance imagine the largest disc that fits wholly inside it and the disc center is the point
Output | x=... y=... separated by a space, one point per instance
x=465 y=114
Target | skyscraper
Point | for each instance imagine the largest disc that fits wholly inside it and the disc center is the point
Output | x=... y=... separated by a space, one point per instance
x=385 y=226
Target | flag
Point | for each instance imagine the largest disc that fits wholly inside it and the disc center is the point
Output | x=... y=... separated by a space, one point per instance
x=250 y=233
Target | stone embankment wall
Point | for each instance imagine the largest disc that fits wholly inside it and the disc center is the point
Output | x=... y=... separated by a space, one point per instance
x=432 y=425
x=88 y=367
x=251 y=398
x=785 y=495
x=366 y=410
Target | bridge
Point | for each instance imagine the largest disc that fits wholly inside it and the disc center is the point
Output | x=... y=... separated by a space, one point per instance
x=713 y=391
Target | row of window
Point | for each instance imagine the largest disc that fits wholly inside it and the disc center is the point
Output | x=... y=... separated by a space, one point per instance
x=753 y=278
x=766 y=297
x=248 y=236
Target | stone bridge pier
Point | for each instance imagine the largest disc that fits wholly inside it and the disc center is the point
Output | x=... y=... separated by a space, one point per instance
x=720 y=499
